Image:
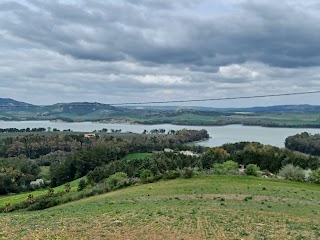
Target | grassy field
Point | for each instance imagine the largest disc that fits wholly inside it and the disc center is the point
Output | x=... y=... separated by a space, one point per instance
x=208 y=207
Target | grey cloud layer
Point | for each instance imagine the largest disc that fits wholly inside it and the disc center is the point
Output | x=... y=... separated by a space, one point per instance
x=127 y=50
x=276 y=33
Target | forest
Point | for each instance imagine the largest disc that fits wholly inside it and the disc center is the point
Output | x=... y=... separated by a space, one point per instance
x=70 y=156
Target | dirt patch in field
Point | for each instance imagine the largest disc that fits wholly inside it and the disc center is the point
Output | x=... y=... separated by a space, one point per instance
x=240 y=197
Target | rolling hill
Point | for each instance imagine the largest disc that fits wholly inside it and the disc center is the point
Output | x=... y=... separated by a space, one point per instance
x=207 y=207
x=272 y=116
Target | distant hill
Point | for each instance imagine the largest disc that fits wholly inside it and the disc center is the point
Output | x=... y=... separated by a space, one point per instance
x=287 y=109
x=77 y=111
x=305 y=108
x=270 y=116
x=8 y=104
x=79 y=108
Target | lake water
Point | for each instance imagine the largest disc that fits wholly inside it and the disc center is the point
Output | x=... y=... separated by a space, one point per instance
x=219 y=134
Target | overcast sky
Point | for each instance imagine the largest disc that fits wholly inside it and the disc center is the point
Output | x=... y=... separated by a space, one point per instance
x=153 y=50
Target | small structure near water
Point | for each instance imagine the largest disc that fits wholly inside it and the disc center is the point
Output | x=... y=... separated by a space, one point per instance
x=89 y=135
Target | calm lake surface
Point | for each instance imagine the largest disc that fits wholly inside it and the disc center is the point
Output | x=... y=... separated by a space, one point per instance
x=219 y=135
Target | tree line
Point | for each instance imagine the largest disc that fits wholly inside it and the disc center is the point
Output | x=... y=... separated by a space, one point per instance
x=268 y=158
x=304 y=142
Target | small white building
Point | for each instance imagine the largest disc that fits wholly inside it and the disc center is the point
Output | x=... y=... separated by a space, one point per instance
x=168 y=150
x=89 y=135
x=188 y=153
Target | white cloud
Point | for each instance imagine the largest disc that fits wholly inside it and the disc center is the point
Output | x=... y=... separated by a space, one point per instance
x=160 y=79
x=237 y=71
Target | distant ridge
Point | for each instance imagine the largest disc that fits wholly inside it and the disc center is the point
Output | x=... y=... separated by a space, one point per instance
x=303 y=108
x=87 y=107
x=11 y=109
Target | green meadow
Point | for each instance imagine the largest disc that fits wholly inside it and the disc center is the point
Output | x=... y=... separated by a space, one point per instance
x=203 y=207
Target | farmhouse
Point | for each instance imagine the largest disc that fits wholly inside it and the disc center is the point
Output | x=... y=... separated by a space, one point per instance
x=89 y=135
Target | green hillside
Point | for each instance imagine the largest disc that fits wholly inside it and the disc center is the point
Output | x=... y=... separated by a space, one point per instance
x=272 y=116
x=208 y=207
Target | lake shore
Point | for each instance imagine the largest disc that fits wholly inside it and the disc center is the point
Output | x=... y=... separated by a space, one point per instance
x=218 y=134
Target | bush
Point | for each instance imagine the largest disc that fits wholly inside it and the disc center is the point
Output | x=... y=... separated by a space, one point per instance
x=154 y=178
x=228 y=167
x=145 y=174
x=187 y=172
x=135 y=181
x=307 y=175
x=252 y=170
x=315 y=176
x=171 y=175
x=82 y=184
x=125 y=182
x=115 y=178
x=46 y=201
x=292 y=173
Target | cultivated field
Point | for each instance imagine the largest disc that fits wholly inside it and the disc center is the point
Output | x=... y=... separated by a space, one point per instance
x=211 y=207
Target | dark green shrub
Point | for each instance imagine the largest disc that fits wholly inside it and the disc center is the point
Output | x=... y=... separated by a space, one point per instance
x=145 y=174
x=82 y=184
x=44 y=203
x=171 y=174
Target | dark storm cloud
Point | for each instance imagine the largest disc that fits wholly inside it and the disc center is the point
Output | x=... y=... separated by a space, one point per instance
x=275 y=33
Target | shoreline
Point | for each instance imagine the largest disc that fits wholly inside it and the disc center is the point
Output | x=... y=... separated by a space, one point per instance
x=130 y=122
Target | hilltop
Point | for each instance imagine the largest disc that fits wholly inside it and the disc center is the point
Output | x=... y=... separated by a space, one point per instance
x=8 y=104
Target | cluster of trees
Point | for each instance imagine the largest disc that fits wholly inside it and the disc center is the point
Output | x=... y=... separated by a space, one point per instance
x=255 y=156
x=304 y=142
x=268 y=157
x=71 y=156
x=158 y=165
x=105 y=130
x=16 y=174
x=159 y=131
x=111 y=150
x=35 y=145
x=16 y=130
x=148 y=143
